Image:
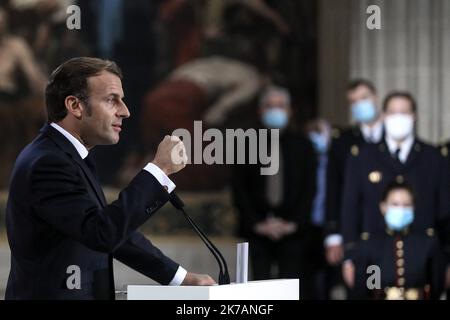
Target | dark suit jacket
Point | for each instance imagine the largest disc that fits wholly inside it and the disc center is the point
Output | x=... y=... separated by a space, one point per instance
x=370 y=171
x=57 y=217
x=249 y=187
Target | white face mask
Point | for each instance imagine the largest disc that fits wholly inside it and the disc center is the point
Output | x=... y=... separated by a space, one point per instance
x=399 y=126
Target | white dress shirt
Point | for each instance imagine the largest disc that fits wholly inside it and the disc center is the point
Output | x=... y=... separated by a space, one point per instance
x=372 y=134
x=153 y=169
x=405 y=147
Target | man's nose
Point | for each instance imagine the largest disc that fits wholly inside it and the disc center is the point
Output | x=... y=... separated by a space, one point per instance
x=123 y=111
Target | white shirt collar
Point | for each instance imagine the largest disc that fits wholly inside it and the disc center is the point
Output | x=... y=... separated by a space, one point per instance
x=82 y=150
x=405 y=147
x=374 y=134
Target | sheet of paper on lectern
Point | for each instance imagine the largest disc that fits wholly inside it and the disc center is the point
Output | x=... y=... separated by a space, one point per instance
x=242 y=263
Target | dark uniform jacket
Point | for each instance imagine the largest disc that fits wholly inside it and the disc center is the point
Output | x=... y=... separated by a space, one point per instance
x=343 y=144
x=372 y=168
x=411 y=266
x=249 y=187
x=57 y=219
x=445 y=149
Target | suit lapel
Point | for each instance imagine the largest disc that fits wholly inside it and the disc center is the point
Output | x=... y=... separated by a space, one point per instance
x=414 y=154
x=69 y=149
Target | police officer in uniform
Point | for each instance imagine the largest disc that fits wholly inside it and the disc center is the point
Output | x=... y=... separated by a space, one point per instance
x=409 y=265
x=362 y=98
x=401 y=157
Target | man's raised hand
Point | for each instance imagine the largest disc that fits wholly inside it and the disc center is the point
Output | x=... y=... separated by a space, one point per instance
x=171 y=155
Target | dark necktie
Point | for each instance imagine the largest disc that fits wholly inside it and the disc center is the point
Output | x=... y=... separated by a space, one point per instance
x=396 y=155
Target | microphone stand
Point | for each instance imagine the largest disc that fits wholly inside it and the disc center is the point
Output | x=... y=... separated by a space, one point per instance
x=224 y=277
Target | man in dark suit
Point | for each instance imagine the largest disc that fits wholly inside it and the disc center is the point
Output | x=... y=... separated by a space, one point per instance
x=363 y=101
x=62 y=234
x=401 y=157
x=274 y=210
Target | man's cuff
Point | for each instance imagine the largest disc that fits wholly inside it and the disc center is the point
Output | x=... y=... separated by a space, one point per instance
x=162 y=178
x=333 y=240
x=179 y=277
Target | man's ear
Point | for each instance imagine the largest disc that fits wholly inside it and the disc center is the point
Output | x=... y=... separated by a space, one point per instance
x=73 y=106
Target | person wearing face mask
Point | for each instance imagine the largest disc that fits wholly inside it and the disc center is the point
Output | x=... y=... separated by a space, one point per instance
x=402 y=157
x=367 y=129
x=319 y=133
x=274 y=210
x=411 y=261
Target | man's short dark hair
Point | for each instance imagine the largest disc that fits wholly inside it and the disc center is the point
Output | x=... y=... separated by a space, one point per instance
x=400 y=94
x=361 y=82
x=70 y=78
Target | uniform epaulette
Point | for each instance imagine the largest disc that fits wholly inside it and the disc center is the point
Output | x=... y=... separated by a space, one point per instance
x=335 y=133
x=430 y=232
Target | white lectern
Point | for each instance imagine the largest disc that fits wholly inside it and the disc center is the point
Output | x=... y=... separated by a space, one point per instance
x=280 y=289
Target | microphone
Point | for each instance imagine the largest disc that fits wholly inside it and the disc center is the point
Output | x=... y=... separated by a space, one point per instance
x=224 y=277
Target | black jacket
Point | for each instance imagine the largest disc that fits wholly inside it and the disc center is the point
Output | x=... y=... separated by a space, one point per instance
x=57 y=217
x=249 y=187
x=369 y=172
x=343 y=144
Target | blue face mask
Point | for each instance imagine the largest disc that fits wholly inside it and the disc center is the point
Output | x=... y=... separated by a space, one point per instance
x=275 y=118
x=364 y=111
x=398 y=218
x=319 y=141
